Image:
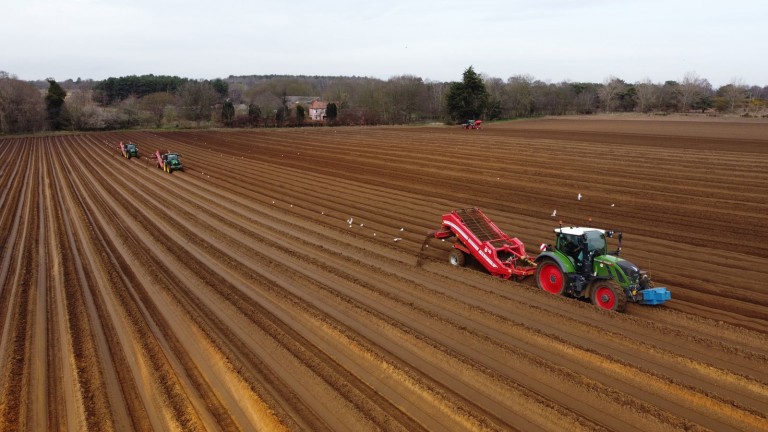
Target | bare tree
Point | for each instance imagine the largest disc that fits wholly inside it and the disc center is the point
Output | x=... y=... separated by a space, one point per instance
x=406 y=96
x=436 y=98
x=155 y=103
x=647 y=95
x=22 y=108
x=129 y=112
x=197 y=100
x=268 y=104
x=690 y=89
x=734 y=92
x=83 y=112
x=519 y=100
x=609 y=92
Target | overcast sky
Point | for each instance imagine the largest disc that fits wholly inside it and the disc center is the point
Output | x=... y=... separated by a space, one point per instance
x=550 y=40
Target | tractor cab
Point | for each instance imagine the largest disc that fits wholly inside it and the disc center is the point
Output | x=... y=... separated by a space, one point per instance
x=580 y=245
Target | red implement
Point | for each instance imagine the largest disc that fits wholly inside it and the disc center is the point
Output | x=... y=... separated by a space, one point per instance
x=476 y=235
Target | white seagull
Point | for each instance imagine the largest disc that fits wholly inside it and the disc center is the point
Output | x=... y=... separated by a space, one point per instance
x=554 y=213
x=579 y=197
x=349 y=221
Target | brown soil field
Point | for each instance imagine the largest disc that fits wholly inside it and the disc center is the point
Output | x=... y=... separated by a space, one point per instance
x=235 y=295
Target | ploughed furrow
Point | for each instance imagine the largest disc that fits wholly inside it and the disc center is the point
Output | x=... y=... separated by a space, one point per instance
x=63 y=378
x=302 y=284
x=114 y=311
x=89 y=356
x=729 y=264
x=409 y=424
x=629 y=346
x=372 y=166
x=234 y=204
x=456 y=189
x=259 y=242
x=162 y=325
x=17 y=301
x=747 y=308
x=38 y=413
x=208 y=276
x=239 y=295
x=293 y=187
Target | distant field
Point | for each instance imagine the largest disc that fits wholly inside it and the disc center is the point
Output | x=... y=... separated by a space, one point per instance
x=235 y=295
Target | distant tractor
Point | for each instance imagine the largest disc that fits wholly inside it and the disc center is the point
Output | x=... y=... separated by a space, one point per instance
x=129 y=150
x=168 y=161
x=472 y=124
x=579 y=265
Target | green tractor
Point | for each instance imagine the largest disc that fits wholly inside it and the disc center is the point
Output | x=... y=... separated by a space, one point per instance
x=129 y=150
x=580 y=265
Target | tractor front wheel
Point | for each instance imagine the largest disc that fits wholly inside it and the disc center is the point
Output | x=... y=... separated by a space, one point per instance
x=607 y=294
x=457 y=258
x=550 y=278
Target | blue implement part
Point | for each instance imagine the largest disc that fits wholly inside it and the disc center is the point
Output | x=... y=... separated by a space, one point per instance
x=655 y=296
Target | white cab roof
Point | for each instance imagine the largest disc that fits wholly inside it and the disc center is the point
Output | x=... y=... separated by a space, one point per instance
x=577 y=230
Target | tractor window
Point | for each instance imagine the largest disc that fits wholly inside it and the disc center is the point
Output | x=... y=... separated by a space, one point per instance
x=596 y=242
x=568 y=243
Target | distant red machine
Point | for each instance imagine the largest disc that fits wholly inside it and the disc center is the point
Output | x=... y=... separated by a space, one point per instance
x=473 y=124
x=476 y=235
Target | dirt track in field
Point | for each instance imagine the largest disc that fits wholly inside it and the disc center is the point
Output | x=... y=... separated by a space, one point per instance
x=235 y=296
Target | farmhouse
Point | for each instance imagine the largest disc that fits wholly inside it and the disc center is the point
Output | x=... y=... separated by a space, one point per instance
x=317 y=110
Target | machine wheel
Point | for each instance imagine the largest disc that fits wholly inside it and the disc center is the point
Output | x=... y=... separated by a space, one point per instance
x=457 y=258
x=550 y=278
x=607 y=294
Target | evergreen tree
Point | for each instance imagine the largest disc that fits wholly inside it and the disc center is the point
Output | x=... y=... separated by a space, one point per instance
x=220 y=86
x=300 y=114
x=467 y=100
x=228 y=111
x=331 y=111
x=54 y=102
x=254 y=114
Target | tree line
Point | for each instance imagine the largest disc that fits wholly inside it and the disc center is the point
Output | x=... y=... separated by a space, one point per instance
x=151 y=101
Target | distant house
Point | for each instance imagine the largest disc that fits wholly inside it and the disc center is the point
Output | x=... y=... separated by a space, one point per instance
x=317 y=110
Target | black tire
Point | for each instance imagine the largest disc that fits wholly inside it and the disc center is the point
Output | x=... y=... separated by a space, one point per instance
x=607 y=294
x=549 y=277
x=457 y=258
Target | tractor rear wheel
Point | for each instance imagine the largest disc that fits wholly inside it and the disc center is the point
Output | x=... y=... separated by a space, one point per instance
x=607 y=294
x=457 y=258
x=550 y=278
